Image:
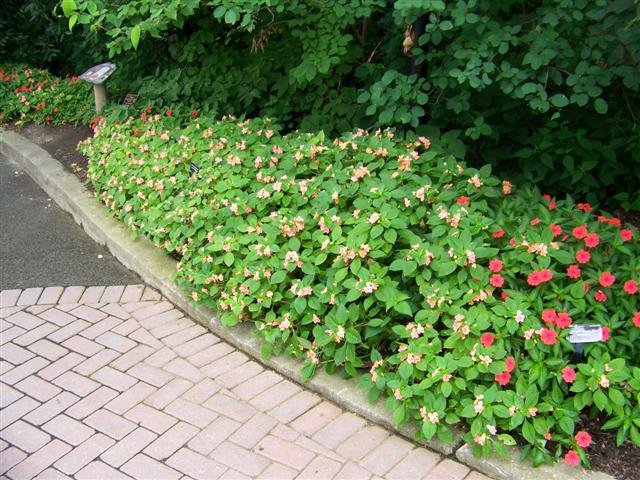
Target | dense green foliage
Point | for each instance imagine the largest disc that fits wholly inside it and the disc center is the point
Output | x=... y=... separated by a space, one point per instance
x=453 y=289
x=33 y=95
x=549 y=89
x=34 y=32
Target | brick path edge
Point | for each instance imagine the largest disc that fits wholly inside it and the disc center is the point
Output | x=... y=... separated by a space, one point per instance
x=157 y=269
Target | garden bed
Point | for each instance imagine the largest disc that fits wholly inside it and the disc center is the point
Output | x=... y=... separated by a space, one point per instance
x=456 y=290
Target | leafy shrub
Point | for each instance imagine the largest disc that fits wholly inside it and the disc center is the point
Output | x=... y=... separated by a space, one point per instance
x=453 y=289
x=525 y=83
x=32 y=95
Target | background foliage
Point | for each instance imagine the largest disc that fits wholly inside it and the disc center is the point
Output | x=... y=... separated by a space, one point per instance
x=544 y=89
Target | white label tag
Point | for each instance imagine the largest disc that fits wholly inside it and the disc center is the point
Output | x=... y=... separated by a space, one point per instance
x=585 y=333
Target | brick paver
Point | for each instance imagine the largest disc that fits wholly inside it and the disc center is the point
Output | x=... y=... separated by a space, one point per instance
x=115 y=382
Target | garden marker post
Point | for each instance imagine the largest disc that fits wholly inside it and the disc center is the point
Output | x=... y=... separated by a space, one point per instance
x=97 y=75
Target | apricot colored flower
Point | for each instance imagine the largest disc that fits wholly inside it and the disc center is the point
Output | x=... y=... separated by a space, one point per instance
x=503 y=378
x=631 y=287
x=580 y=232
x=487 y=339
x=583 y=439
x=572 y=458
x=606 y=279
x=582 y=256
x=534 y=222
x=573 y=271
x=463 y=200
x=495 y=266
x=548 y=336
x=606 y=332
x=568 y=374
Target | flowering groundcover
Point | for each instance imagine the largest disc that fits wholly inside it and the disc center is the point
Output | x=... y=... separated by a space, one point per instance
x=439 y=285
x=34 y=95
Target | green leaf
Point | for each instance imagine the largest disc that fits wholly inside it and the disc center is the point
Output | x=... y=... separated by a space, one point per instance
x=559 y=100
x=231 y=16
x=278 y=277
x=219 y=11
x=135 y=36
x=566 y=424
x=72 y=21
x=600 y=399
x=600 y=105
x=68 y=7
x=405 y=370
x=228 y=259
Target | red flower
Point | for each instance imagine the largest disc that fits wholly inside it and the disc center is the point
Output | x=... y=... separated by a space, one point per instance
x=495 y=266
x=547 y=436
x=606 y=279
x=555 y=229
x=168 y=112
x=148 y=109
x=568 y=374
x=600 y=296
x=586 y=286
x=496 y=280
x=549 y=316
x=503 y=378
x=463 y=200
x=580 y=232
x=512 y=242
x=487 y=339
x=606 y=332
x=510 y=364
x=546 y=275
x=195 y=114
x=572 y=458
x=552 y=205
x=548 y=336
x=585 y=207
x=636 y=319
x=582 y=256
x=592 y=240
x=573 y=271
x=583 y=439
x=626 y=234
x=564 y=320
x=504 y=295
x=547 y=197
x=143 y=117
x=539 y=276
x=498 y=233
x=631 y=287
x=55 y=110
x=534 y=222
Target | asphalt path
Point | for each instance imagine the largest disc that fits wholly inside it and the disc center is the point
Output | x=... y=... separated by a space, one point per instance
x=42 y=246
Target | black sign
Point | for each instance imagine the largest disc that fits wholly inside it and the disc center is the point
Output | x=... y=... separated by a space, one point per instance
x=194 y=168
x=130 y=99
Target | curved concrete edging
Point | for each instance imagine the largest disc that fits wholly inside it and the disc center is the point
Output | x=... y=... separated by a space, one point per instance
x=157 y=269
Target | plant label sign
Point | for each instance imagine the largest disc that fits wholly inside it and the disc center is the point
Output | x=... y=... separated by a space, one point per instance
x=99 y=73
x=130 y=99
x=194 y=168
x=585 y=333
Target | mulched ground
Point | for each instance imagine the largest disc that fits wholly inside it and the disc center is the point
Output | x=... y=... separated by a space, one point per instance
x=621 y=462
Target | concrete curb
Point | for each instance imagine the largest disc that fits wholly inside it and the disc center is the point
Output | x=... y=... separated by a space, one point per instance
x=157 y=269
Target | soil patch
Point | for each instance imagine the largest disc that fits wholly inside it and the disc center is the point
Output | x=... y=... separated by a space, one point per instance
x=622 y=462
x=62 y=144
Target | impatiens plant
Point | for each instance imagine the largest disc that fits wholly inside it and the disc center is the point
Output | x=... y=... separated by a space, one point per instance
x=441 y=286
x=31 y=95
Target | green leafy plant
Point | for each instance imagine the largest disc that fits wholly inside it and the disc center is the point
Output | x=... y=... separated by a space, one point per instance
x=439 y=285
x=32 y=95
